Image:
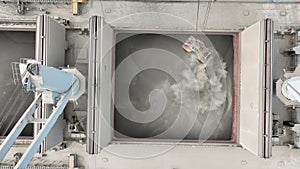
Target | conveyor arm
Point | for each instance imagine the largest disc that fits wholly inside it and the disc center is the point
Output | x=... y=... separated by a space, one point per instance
x=56 y=87
x=61 y=104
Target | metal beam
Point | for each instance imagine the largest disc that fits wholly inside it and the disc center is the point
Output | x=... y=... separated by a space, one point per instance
x=92 y=116
x=267 y=122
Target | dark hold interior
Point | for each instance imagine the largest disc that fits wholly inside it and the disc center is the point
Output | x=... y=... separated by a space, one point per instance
x=14 y=101
x=147 y=80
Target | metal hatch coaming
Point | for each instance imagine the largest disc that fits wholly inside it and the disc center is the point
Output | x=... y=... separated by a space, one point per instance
x=99 y=105
x=101 y=85
x=255 y=106
x=255 y=89
x=50 y=51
